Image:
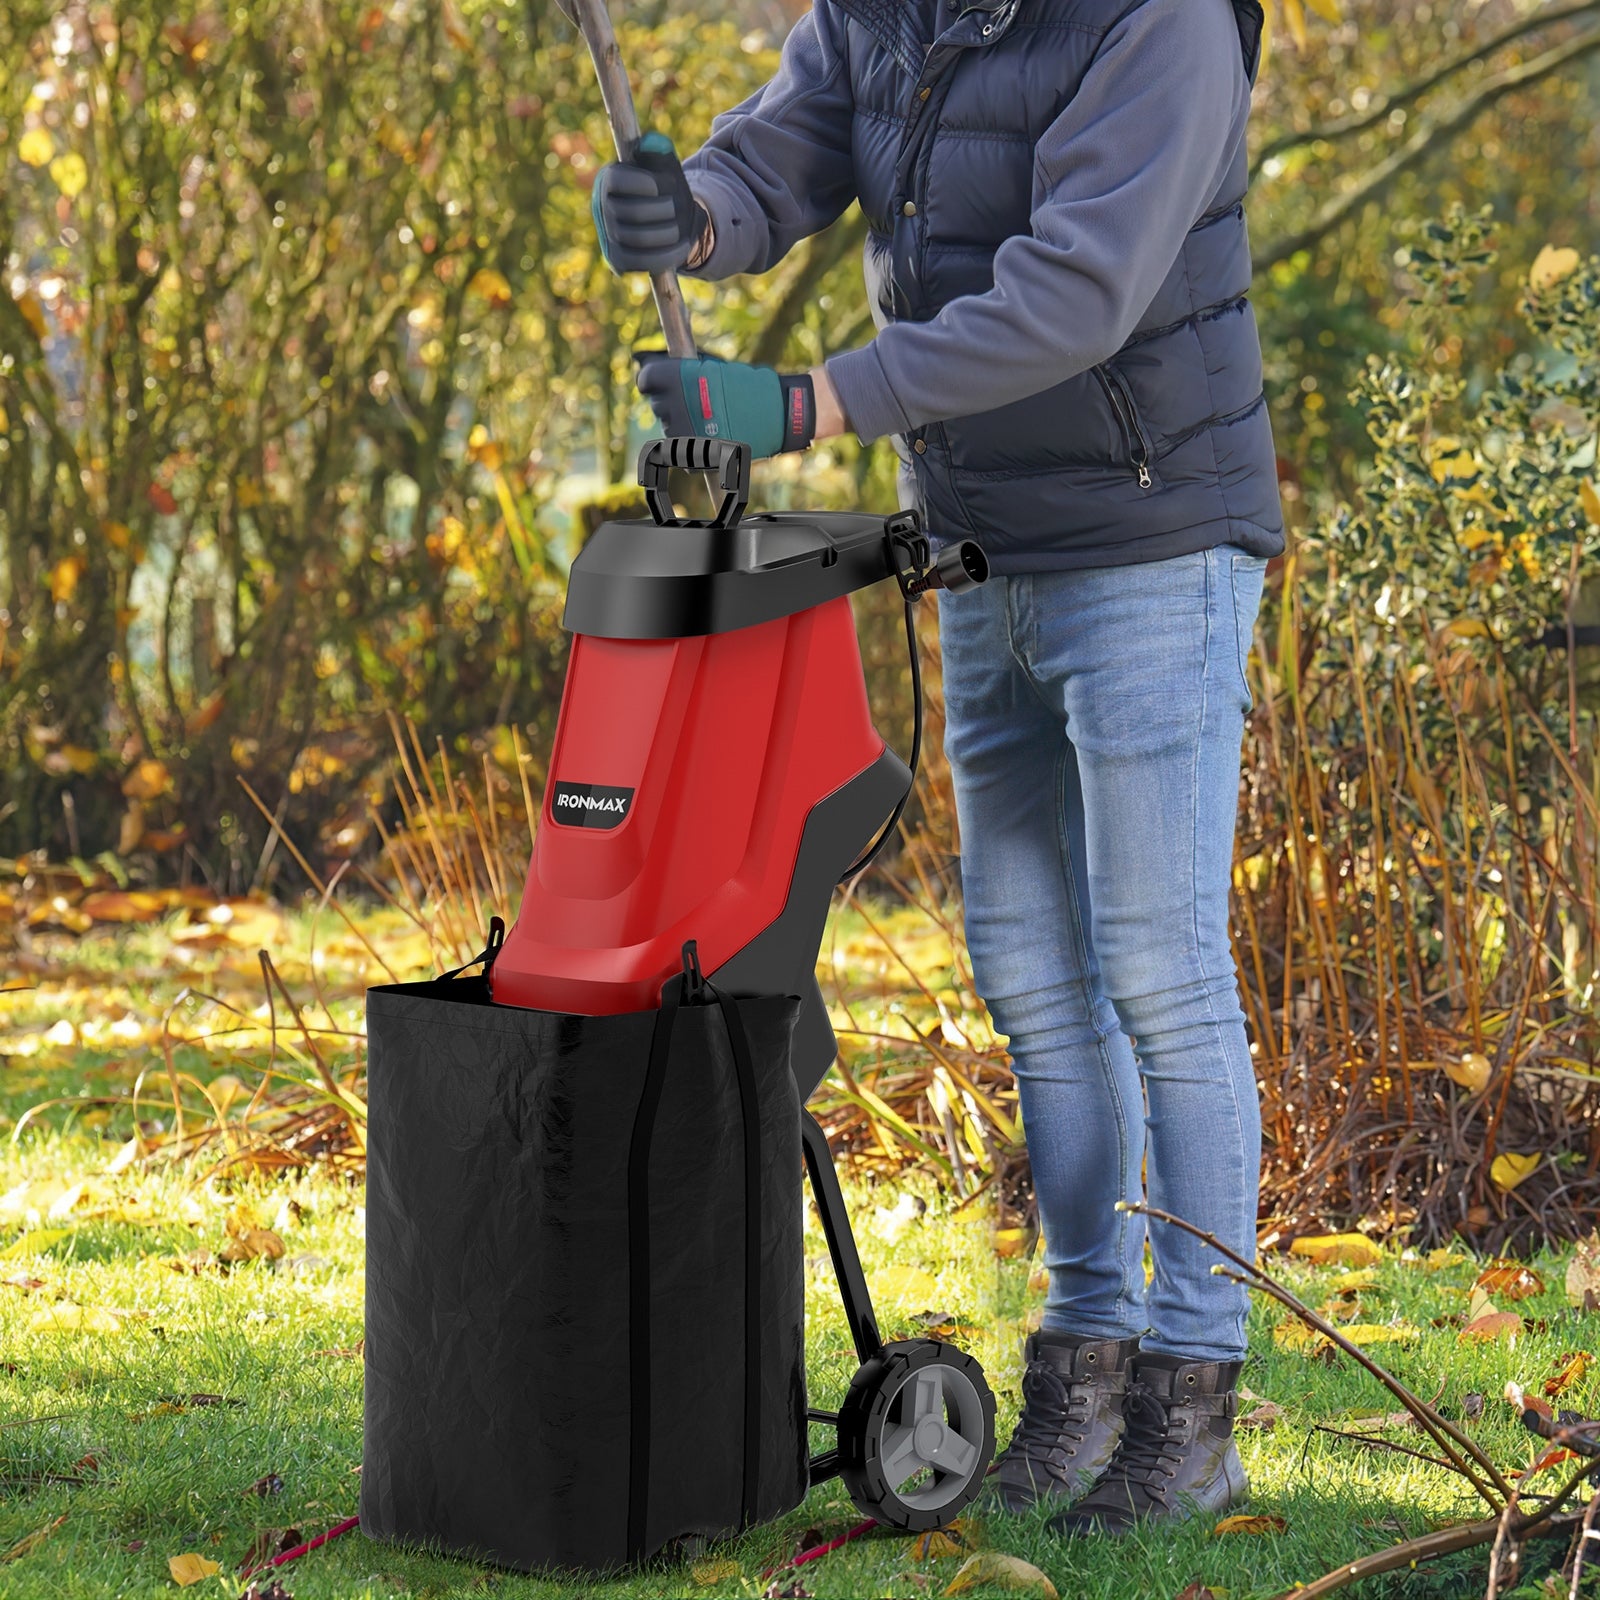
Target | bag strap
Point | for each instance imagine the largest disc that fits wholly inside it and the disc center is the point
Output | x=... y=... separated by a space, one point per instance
x=689 y=988
x=750 y=1106
x=497 y=937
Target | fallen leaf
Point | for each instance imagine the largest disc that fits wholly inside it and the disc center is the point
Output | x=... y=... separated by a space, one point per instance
x=1472 y=1071
x=190 y=1568
x=988 y=1569
x=1491 y=1324
x=270 y=1542
x=905 y=1285
x=271 y=1484
x=1264 y=1416
x=1259 y=1524
x=709 y=1573
x=68 y=1317
x=1510 y=1280
x=1508 y=1170
x=1553 y=1457
x=119 y=905
x=1551 y=266
x=31 y=1542
x=1589 y=497
x=942 y=1542
x=1521 y=1401
x=1337 y=1249
x=1472 y=1407
x=1009 y=1243
x=1570 y=1369
x=1353 y=1282
x=1197 y=1591
x=36 y=1242
x=1365 y=1333
x=273 y=1591
x=1583 y=1274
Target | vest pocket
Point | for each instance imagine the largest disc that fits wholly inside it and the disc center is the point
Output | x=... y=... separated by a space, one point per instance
x=1136 y=440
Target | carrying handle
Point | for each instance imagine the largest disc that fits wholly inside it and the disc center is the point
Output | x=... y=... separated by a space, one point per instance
x=497 y=937
x=728 y=458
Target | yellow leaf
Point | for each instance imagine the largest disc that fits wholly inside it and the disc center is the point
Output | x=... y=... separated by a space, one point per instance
x=1466 y=628
x=490 y=285
x=1589 y=496
x=32 y=310
x=484 y=450
x=1365 y=1333
x=36 y=147
x=118 y=534
x=36 y=1242
x=1350 y=1282
x=1453 y=466
x=1009 y=1242
x=1442 y=1259
x=1508 y=1170
x=1550 y=266
x=149 y=780
x=707 y=1573
x=1328 y=10
x=64 y=577
x=1338 y=1249
x=1247 y=1524
x=1294 y=14
x=1472 y=1071
x=905 y=1286
x=190 y=1568
x=71 y=174
x=68 y=1317
x=988 y=1569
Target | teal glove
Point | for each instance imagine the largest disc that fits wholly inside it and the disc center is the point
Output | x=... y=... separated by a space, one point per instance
x=768 y=411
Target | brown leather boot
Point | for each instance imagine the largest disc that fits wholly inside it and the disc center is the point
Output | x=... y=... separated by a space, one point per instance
x=1177 y=1457
x=1072 y=1394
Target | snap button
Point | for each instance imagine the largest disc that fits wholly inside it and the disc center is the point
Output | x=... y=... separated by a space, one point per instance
x=988 y=30
x=909 y=209
x=921 y=447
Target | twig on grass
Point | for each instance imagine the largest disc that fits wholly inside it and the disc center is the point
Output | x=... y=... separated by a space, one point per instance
x=1461 y=1449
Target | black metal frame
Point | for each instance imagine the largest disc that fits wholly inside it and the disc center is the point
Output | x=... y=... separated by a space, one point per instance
x=853 y=1290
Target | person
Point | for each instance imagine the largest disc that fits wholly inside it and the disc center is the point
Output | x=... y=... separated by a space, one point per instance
x=1068 y=363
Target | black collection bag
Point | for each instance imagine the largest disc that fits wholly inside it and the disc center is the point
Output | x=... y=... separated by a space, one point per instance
x=585 y=1287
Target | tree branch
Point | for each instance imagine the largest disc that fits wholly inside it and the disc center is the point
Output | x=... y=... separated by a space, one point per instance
x=1426 y=139
x=1346 y=127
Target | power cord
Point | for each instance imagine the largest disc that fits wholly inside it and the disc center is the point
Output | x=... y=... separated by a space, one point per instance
x=865 y=860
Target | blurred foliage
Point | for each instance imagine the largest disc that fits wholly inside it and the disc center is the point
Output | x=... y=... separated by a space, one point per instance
x=309 y=372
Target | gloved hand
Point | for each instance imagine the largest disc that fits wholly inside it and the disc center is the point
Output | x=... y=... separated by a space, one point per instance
x=710 y=399
x=644 y=213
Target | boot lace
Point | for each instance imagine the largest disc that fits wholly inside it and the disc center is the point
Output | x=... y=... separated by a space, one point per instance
x=1151 y=1451
x=1056 y=1415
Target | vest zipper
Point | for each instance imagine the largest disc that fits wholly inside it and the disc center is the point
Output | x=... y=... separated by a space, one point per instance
x=1121 y=399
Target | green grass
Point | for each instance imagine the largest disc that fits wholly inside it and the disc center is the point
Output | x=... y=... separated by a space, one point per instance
x=272 y=1339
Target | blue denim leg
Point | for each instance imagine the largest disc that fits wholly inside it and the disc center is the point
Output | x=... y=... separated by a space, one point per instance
x=1093 y=724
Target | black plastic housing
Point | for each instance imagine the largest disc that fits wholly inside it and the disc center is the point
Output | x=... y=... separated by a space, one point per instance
x=637 y=579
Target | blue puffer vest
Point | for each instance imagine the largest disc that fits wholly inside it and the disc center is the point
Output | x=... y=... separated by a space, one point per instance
x=1162 y=450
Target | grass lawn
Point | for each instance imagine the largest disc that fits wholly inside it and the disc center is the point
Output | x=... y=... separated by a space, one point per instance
x=113 y=1322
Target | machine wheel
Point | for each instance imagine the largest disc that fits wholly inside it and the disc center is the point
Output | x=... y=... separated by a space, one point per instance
x=916 y=1435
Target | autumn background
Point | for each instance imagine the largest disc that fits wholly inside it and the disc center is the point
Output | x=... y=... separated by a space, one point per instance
x=311 y=386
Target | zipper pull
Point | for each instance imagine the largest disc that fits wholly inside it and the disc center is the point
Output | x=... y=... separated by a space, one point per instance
x=1144 y=476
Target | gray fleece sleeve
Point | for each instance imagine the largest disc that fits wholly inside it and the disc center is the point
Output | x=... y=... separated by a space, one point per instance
x=1125 y=171
x=779 y=167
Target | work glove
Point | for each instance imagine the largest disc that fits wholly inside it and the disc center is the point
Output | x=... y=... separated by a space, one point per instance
x=644 y=213
x=710 y=399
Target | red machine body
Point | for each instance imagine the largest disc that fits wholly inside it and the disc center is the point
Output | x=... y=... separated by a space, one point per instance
x=683 y=775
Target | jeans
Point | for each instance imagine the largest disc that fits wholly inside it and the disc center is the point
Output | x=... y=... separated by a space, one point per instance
x=1093 y=725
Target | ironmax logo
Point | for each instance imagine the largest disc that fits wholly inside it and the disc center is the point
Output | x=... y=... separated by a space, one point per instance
x=590 y=805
